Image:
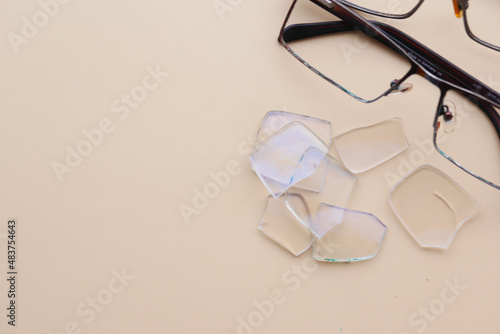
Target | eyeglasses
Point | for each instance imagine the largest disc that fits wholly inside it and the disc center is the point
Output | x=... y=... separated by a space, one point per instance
x=475 y=14
x=467 y=120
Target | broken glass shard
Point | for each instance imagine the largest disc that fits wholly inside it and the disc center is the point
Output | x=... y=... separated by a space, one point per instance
x=431 y=206
x=336 y=190
x=275 y=120
x=357 y=237
x=279 y=224
x=288 y=156
x=364 y=148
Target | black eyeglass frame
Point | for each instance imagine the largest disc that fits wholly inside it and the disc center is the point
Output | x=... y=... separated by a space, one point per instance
x=425 y=63
x=460 y=7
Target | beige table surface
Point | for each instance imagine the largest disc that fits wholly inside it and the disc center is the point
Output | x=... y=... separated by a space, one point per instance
x=102 y=246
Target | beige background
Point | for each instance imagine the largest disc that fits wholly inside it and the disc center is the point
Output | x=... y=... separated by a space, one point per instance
x=118 y=211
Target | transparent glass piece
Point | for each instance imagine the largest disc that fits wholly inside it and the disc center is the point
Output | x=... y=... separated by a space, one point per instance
x=336 y=190
x=366 y=147
x=279 y=224
x=431 y=206
x=288 y=156
x=311 y=162
x=357 y=237
x=275 y=120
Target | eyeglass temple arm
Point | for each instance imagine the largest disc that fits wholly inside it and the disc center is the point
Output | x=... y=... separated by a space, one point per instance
x=300 y=31
x=425 y=57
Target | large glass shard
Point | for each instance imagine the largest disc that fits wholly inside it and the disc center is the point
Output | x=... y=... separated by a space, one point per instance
x=288 y=156
x=366 y=147
x=357 y=237
x=336 y=190
x=275 y=120
x=282 y=226
x=431 y=206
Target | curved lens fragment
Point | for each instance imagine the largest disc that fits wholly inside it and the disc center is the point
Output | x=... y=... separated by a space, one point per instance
x=431 y=206
x=357 y=237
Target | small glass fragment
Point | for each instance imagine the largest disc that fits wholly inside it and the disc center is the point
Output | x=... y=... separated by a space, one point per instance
x=431 y=206
x=288 y=156
x=364 y=148
x=357 y=237
x=279 y=224
x=337 y=187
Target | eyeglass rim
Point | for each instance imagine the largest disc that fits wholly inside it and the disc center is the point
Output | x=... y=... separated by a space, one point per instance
x=473 y=36
x=382 y=14
x=283 y=42
x=482 y=105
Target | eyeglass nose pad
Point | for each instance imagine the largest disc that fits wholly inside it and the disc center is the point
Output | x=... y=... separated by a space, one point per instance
x=402 y=88
x=458 y=8
x=447 y=116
